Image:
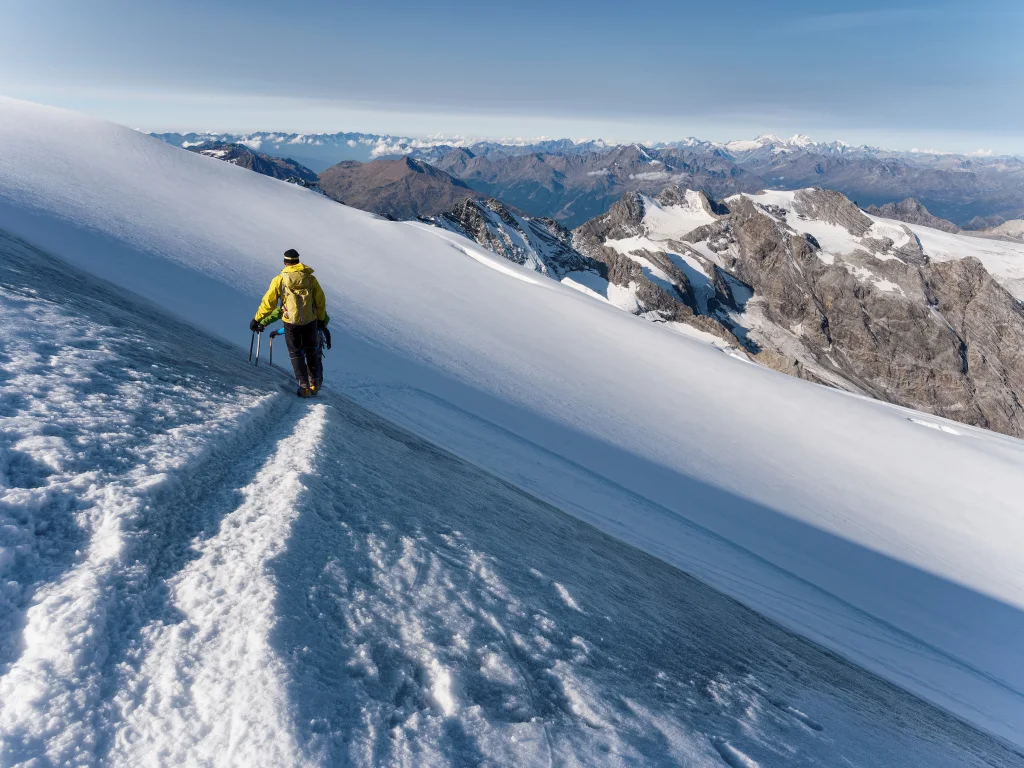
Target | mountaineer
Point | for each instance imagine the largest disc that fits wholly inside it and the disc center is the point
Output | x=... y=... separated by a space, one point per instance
x=303 y=309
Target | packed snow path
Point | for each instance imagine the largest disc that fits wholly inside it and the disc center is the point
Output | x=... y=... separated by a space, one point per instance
x=198 y=569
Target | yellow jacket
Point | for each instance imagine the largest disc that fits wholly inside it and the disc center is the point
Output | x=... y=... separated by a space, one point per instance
x=273 y=296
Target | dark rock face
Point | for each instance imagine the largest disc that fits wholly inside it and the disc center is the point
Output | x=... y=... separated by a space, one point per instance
x=912 y=212
x=939 y=337
x=400 y=189
x=276 y=167
x=989 y=328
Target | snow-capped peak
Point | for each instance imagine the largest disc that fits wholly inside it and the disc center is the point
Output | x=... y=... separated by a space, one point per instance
x=796 y=141
x=800 y=140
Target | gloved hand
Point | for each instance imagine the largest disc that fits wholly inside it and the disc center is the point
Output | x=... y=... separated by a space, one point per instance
x=255 y=327
x=327 y=336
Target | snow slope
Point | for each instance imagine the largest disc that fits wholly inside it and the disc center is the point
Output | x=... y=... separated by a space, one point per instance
x=209 y=571
x=857 y=524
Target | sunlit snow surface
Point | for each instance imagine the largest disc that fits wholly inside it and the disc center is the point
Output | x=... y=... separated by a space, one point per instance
x=856 y=524
x=205 y=570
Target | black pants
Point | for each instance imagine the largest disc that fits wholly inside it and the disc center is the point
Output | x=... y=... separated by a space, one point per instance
x=302 y=349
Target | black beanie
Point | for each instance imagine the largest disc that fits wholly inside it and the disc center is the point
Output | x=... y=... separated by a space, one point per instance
x=291 y=256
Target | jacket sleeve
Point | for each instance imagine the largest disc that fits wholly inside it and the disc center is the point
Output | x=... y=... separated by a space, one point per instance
x=270 y=299
x=319 y=300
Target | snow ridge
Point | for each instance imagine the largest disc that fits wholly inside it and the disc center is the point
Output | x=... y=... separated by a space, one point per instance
x=643 y=433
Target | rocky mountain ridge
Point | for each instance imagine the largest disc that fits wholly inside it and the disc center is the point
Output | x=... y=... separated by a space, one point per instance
x=575 y=188
x=911 y=212
x=574 y=181
x=285 y=169
x=543 y=245
x=401 y=189
x=803 y=282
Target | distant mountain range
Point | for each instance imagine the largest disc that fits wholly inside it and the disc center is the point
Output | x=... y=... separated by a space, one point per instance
x=572 y=182
x=913 y=212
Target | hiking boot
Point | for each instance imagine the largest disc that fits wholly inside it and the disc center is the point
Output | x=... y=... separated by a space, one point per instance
x=314 y=390
x=304 y=392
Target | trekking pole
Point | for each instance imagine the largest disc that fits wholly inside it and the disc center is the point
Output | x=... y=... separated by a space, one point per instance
x=278 y=332
x=251 y=342
x=259 y=337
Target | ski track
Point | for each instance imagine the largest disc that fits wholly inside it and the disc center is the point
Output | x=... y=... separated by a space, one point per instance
x=196 y=572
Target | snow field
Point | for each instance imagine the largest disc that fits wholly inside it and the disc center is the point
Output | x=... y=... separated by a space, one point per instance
x=99 y=430
x=674 y=221
x=307 y=584
x=893 y=544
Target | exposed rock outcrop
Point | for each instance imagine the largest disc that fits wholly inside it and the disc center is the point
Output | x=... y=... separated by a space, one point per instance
x=285 y=169
x=542 y=244
x=874 y=316
x=400 y=189
x=803 y=282
x=912 y=212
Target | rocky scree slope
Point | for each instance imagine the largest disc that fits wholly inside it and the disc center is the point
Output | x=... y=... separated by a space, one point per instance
x=275 y=167
x=399 y=189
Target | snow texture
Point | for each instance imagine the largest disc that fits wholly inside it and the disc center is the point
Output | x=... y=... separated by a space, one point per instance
x=209 y=571
x=894 y=544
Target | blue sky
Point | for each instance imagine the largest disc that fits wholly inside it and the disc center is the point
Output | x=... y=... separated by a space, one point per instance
x=943 y=74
